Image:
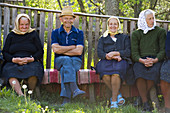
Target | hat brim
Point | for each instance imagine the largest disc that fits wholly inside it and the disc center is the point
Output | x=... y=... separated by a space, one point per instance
x=67 y=15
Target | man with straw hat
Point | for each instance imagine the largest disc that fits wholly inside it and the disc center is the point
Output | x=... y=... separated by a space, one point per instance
x=67 y=44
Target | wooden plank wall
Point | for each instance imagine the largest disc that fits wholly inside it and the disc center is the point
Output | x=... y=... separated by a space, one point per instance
x=44 y=21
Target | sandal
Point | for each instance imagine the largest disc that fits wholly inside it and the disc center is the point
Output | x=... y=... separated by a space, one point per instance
x=113 y=104
x=119 y=99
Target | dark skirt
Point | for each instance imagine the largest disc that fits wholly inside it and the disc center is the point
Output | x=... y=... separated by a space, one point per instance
x=148 y=73
x=110 y=67
x=23 y=71
x=165 y=71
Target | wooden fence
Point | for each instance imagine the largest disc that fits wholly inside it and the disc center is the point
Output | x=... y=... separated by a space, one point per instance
x=44 y=21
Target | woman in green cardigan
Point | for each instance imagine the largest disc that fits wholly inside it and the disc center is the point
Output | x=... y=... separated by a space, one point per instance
x=148 y=52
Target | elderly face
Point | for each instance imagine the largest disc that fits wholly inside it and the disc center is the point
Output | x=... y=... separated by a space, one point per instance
x=23 y=24
x=113 y=25
x=150 y=20
x=67 y=21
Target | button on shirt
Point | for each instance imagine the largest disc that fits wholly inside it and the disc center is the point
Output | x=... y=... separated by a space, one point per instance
x=61 y=37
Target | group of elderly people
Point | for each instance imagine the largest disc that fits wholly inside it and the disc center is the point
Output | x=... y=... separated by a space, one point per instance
x=147 y=51
x=148 y=48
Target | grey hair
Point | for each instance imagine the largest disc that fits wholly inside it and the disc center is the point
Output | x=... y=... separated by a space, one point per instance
x=24 y=18
x=147 y=12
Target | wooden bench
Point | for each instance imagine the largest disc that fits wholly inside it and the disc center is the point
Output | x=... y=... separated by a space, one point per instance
x=90 y=82
x=93 y=25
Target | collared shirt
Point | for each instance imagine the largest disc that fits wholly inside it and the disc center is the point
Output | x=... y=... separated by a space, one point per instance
x=61 y=37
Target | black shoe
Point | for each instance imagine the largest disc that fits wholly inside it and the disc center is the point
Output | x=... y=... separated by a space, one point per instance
x=137 y=102
x=146 y=107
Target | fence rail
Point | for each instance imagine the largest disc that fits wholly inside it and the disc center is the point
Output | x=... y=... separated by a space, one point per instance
x=45 y=20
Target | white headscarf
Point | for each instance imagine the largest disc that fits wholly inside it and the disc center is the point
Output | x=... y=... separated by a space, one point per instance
x=142 y=21
x=16 y=28
x=108 y=30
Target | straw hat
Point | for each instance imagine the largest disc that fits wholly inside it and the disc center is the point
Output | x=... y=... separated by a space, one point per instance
x=67 y=10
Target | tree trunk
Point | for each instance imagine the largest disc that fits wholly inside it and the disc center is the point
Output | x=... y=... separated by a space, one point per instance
x=112 y=7
x=137 y=9
x=81 y=6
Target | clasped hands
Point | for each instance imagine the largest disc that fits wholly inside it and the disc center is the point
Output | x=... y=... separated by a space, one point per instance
x=148 y=62
x=22 y=61
x=113 y=55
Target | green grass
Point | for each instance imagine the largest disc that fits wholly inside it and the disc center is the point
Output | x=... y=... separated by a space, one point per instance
x=50 y=103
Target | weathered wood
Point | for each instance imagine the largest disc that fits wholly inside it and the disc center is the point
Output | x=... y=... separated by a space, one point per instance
x=97 y=30
x=132 y=27
x=125 y=27
x=58 y=23
x=76 y=22
x=6 y=22
x=22 y=10
x=84 y=20
x=158 y=24
x=30 y=15
x=90 y=37
x=14 y=15
x=0 y=25
x=165 y=25
x=35 y=18
x=50 y=27
x=42 y=27
x=104 y=25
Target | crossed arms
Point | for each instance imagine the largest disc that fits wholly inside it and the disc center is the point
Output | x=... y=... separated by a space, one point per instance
x=72 y=50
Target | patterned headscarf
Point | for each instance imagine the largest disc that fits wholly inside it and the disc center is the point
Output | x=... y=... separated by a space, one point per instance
x=16 y=28
x=108 y=30
x=142 y=21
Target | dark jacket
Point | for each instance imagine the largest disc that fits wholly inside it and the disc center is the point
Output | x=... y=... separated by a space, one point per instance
x=106 y=45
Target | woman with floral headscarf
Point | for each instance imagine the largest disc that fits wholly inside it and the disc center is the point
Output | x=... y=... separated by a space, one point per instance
x=22 y=53
x=114 y=51
x=148 y=52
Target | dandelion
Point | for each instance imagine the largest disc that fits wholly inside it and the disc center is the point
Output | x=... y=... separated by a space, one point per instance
x=30 y=92
x=46 y=107
x=24 y=86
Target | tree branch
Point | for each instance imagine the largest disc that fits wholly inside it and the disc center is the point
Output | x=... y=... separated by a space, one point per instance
x=60 y=4
x=97 y=6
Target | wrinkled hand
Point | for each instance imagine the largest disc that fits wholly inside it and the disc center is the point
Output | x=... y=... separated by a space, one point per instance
x=118 y=58
x=108 y=57
x=113 y=55
x=148 y=62
x=22 y=61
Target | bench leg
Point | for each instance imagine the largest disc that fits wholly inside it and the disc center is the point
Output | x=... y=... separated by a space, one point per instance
x=91 y=92
x=154 y=97
x=37 y=92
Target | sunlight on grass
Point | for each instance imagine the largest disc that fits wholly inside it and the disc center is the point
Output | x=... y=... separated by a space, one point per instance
x=11 y=103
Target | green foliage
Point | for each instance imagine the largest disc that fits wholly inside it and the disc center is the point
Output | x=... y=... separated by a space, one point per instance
x=126 y=7
x=50 y=103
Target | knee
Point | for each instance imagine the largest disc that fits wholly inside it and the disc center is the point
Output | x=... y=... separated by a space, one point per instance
x=12 y=79
x=106 y=78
